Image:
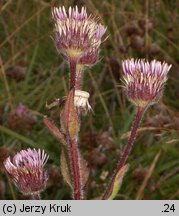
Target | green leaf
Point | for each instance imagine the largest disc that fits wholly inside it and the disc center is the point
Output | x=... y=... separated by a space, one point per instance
x=65 y=168
x=116 y=184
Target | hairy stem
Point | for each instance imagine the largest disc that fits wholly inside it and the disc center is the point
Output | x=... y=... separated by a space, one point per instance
x=132 y=137
x=79 y=76
x=128 y=148
x=74 y=158
x=36 y=196
x=72 y=64
x=76 y=77
x=72 y=129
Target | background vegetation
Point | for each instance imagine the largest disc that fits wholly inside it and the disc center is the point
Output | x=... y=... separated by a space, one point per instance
x=32 y=73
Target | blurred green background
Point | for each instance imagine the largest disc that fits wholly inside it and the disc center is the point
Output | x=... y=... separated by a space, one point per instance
x=33 y=73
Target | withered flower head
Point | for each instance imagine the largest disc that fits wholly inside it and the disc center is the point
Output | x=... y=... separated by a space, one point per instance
x=144 y=81
x=76 y=32
x=27 y=170
x=81 y=100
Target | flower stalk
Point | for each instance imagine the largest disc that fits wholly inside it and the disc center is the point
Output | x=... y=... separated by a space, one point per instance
x=76 y=178
x=137 y=120
x=72 y=63
x=77 y=37
x=79 y=76
x=128 y=148
x=71 y=125
x=144 y=85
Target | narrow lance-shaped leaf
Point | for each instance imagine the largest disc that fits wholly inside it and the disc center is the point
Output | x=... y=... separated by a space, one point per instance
x=65 y=167
x=54 y=130
x=70 y=118
x=84 y=170
x=70 y=125
x=116 y=184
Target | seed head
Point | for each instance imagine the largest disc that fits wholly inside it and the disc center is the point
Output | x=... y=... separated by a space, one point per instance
x=75 y=31
x=27 y=170
x=144 y=81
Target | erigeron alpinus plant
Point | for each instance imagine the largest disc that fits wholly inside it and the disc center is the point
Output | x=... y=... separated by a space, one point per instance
x=144 y=84
x=78 y=37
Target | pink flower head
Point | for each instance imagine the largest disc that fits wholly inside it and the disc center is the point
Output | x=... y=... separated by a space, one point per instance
x=90 y=57
x=27 y=170
x=75 y=31
x=144 y=81
x=21 y=110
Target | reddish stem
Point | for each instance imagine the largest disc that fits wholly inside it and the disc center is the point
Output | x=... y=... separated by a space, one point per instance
x=79 y=80
x=132 y=137
x=77 y=193
x=73 y=145
x=72 y=63
x=75 y=82
x=128 y=148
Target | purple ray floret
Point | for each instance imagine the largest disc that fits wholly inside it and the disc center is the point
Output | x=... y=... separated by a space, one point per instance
x=144 y=81
x=27 y=170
